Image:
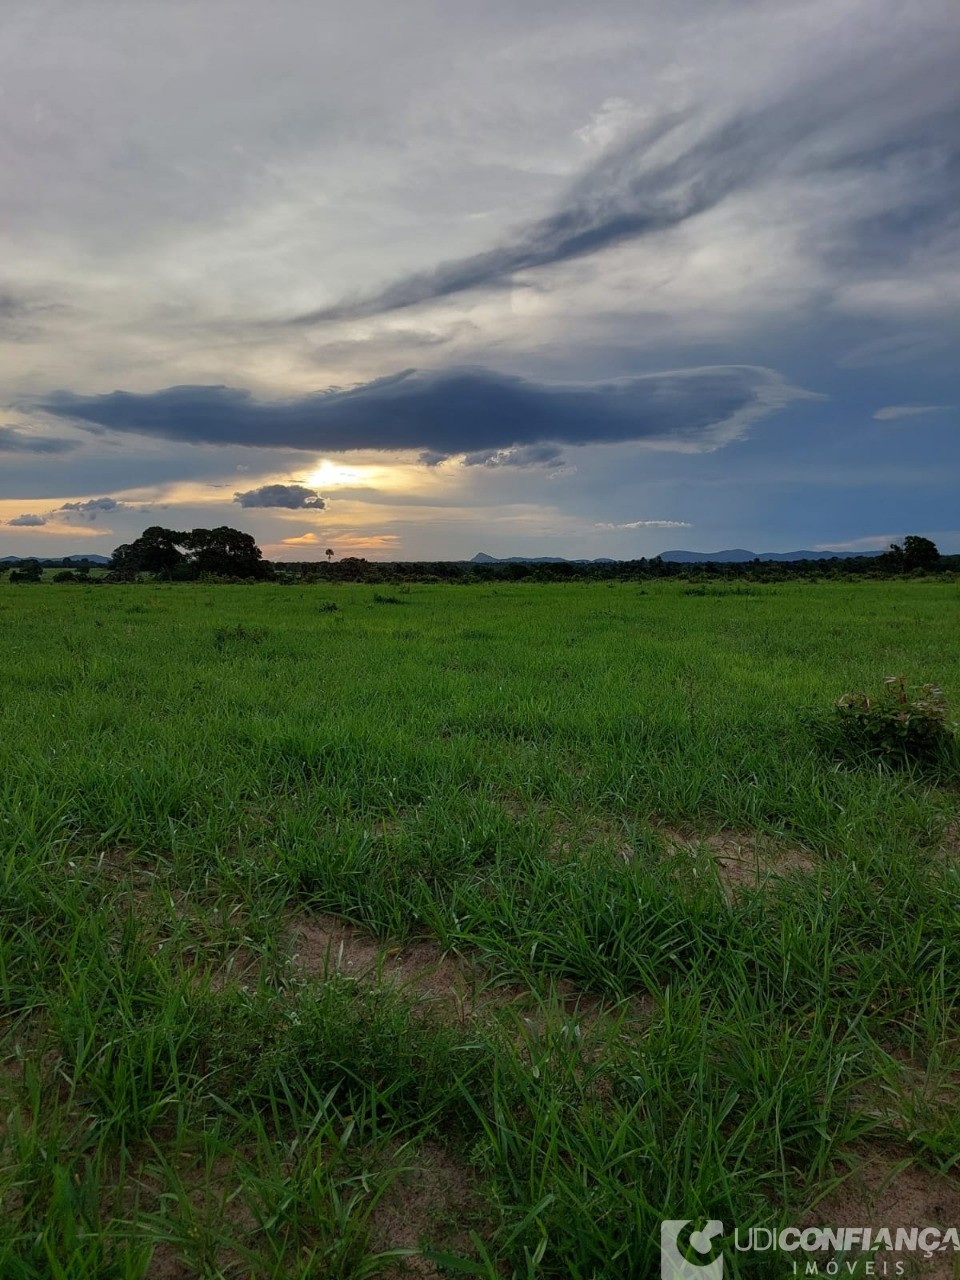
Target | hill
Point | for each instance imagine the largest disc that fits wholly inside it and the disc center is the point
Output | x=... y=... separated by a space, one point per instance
x=735 y=556
x=739 y=556
x=57 y=560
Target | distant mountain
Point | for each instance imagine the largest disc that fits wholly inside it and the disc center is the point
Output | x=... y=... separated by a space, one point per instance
x=736 y=556
x=739 y=556
x=482 y=558
x=88 y=559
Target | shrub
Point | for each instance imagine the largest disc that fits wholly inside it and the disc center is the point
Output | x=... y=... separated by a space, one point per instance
x=29 y=571
x=901 y=724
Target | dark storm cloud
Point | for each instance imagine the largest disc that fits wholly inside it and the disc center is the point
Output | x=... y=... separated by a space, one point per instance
x=294 y=497
x=12 y=440
x=670 y=172
x=454 y=411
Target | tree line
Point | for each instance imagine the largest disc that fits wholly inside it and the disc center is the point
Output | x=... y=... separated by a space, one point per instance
x=225 y=554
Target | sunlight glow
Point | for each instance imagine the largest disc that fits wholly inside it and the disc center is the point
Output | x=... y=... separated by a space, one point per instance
x=328 y=474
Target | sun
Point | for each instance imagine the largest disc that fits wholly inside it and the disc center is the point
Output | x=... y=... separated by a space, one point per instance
x=327 y=474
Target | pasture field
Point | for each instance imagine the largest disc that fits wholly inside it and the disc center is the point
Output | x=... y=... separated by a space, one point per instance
x=361 y=932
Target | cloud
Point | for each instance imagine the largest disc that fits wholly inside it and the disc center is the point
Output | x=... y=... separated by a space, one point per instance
x=454 y=411
x=874 y=542
x=92 y=505
x=647 y=524
x=85 y=511
x=21 y=316
x=686 y=164
x=294 y=497
x=304 y=540
x=346 y=544
x=893 y=411
x=13 y=440
x=530 y=455
x=91 y=509
x=899 y=348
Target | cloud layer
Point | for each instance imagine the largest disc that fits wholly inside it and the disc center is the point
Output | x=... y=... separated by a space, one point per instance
x=13 y=440
x=891 y=412
x=646 y=524
x=494 y=418
x=685 y=164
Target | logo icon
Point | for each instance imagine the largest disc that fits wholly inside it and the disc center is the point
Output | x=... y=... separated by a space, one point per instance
x=673 y=1264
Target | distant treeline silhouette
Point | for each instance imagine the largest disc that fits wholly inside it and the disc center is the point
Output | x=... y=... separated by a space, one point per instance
x=227 y=555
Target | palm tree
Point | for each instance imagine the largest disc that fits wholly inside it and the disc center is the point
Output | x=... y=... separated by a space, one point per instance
x=329 y=554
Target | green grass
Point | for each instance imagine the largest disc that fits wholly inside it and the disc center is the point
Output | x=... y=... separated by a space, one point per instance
x=507 y=772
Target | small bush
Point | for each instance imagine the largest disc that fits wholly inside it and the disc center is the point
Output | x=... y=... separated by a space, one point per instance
x=329 y=606
x=902 y=724
x=380 y=598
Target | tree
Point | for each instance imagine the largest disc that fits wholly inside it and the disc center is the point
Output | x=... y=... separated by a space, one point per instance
x=919 y=553
x=329 y=553
x=157 y=550
x=913 y=553
x=226 y=552
x=892 y=558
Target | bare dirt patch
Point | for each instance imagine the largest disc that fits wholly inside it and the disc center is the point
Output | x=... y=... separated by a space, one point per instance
x=884 y=1192
x=949 y=850
x=447 y=984
x=432 y=1204
x=567 y=838
x=742 y=859
x=451 y=985
x=324 y=945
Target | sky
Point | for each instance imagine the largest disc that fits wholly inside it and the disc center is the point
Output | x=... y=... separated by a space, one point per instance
x=418 y=280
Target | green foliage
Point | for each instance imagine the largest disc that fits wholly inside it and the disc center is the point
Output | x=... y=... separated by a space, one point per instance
x=901 y=724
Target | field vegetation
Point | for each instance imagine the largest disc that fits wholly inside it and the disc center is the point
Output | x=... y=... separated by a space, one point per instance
x=430 y=931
